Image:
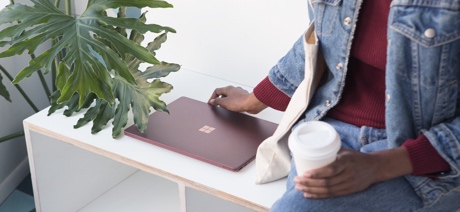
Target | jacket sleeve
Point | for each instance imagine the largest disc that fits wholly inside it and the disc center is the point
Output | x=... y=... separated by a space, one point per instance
x=287 y=74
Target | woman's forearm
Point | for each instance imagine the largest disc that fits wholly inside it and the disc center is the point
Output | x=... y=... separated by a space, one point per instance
x=392 y=163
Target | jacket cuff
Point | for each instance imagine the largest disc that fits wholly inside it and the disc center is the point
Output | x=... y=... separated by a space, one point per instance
x=271 y=96
x=424 y=157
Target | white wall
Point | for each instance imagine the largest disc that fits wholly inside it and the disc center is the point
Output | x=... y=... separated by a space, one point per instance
x=13 y=154
x=237 y=40
x=3 y=4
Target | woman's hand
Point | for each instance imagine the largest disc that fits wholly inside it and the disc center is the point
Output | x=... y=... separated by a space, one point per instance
x=236 y=99
x=352 y=172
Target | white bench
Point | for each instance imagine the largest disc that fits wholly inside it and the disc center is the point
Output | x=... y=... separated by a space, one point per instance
x=73 y=170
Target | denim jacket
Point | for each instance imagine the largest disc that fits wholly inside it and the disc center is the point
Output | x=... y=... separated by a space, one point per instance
x=422 y=76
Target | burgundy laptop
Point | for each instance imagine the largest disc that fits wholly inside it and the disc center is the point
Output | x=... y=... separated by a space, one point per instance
x=207 y=133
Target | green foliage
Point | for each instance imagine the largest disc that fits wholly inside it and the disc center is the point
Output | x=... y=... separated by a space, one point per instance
x=3 y=91
x=109 y=87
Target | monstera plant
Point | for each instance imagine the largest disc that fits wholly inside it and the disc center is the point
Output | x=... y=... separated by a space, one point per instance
x=94 y=59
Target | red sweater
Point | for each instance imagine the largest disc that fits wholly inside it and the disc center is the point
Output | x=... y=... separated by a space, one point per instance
x=363 y=99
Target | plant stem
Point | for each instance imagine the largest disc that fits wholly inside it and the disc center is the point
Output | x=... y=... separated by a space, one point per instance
x=11 y=136
x=56 y=3
x=68 y=7
x=11 y=2
x=53 y=74
x=20 y=90
x=43 y=81
x=44 y=84
x=89 y=3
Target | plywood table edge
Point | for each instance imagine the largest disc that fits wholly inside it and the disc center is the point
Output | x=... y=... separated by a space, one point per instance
x=32 y=166
x=146 y=168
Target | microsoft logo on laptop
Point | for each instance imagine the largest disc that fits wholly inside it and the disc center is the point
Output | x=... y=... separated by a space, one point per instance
x=206 y=129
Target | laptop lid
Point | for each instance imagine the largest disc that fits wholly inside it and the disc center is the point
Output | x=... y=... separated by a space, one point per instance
x=208 y=133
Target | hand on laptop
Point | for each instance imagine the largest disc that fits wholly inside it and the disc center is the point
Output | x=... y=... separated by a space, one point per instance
x=236 y=99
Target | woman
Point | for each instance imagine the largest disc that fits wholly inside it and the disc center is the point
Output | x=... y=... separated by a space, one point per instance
x=391 y=91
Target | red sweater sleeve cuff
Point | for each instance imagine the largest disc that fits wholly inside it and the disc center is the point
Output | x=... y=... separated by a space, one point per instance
x=424 y=157
x=271 y=96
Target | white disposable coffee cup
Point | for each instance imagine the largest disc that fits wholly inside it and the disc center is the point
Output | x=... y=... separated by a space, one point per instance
x=313 y=144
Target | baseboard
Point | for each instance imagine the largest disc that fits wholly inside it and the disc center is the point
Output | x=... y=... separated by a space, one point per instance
x=14 y=179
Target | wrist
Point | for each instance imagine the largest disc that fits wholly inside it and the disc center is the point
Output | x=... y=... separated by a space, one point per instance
x=392 y=163
x=253 y=104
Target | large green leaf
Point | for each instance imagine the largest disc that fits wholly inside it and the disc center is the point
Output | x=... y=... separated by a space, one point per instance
x=42 y=21
x=139 y=97
x=100 y=69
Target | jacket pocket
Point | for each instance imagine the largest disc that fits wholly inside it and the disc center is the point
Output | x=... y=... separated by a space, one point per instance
x=427 y=38
x=326 y=12
x=428 y=23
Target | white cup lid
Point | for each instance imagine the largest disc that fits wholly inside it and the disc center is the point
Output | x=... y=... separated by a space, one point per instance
x=314 y=139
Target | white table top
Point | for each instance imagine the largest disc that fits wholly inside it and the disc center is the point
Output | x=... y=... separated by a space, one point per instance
x=194 y=173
